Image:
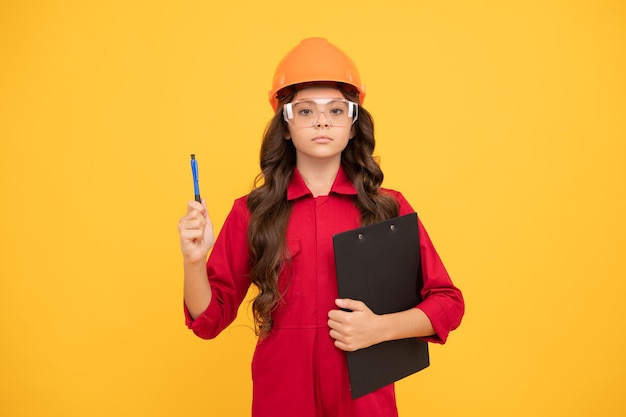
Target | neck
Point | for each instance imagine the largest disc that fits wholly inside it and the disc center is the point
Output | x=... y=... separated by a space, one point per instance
x=319 y=178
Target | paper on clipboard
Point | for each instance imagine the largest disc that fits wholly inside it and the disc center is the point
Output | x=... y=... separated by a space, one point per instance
x=380 y=265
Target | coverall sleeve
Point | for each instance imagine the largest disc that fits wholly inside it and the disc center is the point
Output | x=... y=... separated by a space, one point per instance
x=229 y=275
x=442 y=301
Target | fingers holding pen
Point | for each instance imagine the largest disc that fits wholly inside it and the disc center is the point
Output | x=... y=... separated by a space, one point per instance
x=196 y=231
x=194 y=206
x=195 y=227
x=194 y=219
x=196 y=216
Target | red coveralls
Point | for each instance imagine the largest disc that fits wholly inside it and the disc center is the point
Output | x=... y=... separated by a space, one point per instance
x=296 y=369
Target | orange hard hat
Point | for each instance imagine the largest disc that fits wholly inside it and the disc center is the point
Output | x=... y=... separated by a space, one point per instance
x=315 y=60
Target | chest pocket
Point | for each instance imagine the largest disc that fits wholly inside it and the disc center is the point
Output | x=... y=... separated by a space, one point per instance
x=293 y=248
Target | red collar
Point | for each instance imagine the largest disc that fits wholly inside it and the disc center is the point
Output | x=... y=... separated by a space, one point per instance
x=297 y=188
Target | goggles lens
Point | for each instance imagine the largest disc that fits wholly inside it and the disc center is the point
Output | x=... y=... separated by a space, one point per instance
x=307 y=113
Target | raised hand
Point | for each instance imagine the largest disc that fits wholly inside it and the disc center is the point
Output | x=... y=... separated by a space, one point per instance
x=196 y=239
x=196 y=232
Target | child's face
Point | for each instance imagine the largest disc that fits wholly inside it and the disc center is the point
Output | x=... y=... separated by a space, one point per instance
x=323 y=140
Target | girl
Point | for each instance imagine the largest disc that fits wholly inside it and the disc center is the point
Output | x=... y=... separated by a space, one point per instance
x=318 y=179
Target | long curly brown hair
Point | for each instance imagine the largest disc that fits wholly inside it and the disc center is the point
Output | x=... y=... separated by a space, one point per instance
x=270 y=209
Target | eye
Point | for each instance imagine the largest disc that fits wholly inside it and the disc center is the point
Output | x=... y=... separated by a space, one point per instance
x=337 y=108
x=304 y=109
x=337 y=111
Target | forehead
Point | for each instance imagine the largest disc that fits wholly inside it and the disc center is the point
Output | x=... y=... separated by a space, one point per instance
x=318 y=92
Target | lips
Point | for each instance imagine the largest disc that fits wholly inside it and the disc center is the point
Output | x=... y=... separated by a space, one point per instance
x=322 y=139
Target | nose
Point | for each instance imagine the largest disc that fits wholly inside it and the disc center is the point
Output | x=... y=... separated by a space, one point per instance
x=322 y=123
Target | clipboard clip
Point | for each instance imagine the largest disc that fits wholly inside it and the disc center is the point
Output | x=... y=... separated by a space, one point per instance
x=361 y=236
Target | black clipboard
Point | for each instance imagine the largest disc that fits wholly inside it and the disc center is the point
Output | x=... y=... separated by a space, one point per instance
x=380 y=265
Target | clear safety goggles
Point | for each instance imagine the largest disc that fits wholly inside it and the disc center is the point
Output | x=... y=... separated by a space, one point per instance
x=307 y=113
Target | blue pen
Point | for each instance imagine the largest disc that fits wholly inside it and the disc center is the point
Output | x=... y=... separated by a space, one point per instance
x=194 y=172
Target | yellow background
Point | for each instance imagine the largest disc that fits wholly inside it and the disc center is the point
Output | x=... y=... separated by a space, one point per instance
x=503 y=123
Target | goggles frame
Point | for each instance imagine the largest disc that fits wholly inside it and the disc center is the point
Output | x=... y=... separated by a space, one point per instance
x=353 y=109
